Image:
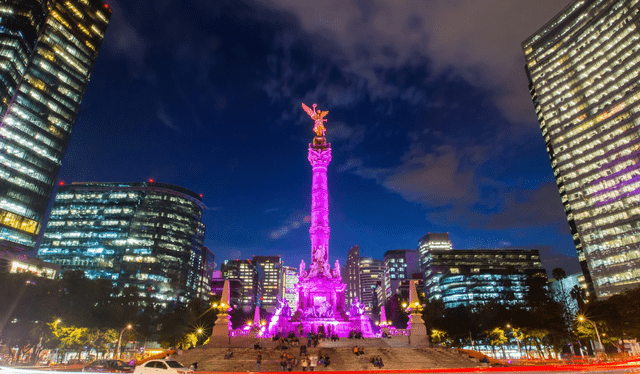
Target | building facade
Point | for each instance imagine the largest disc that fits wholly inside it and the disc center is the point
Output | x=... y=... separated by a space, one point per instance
x=48 y=49
x=270 y=280
x=432 y=242
x=15 y=263
x=371 y=275
x=474 y=277
x=583 y=69
x=288 y=290
x=352 y=276
x=245 y=272
x=144 y=235
x=399 y=265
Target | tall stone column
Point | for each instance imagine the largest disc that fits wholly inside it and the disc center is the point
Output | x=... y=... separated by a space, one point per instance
x=319 y=157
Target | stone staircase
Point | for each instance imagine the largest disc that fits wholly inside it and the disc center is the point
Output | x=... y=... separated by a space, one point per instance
x=342 y=358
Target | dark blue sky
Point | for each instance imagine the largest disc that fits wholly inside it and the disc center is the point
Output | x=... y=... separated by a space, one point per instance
x=430 y=121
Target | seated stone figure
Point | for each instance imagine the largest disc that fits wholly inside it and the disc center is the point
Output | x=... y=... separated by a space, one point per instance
x=357 y=308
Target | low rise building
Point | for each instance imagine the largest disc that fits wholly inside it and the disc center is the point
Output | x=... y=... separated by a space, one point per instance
x=19 y=263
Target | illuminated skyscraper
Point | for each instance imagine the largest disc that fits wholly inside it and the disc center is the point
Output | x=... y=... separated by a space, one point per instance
x=288 y=289
x=352 y=276
x=143 y=235
x=48 y=49
x=583 y=68
x=399 y=265
x=371 y=274
x=270 y=278
x=432 y=242
x=245 y=272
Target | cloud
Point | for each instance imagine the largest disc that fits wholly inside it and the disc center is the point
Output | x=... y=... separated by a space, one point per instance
x=124 y=41
x=530 y=208
x=293 y=222
x=438 y=178
x=165 y=119
x=449 y=182
x=476 y=40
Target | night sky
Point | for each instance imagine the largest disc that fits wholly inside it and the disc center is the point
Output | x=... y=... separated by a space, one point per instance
x=430 y=121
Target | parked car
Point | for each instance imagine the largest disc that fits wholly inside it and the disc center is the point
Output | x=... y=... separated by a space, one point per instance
x=108 y=366
x=162 y=367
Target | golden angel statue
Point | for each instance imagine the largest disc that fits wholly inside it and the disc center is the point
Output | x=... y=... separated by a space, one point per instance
x=318 y=117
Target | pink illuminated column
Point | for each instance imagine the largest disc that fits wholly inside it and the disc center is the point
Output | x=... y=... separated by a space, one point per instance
x=319 y=157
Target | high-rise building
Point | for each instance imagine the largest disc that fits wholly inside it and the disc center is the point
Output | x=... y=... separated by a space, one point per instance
x=48 y=49
x=583 y=69
x=288 y=289
x=429 y=242
x=206 y=271
x=145 y=235
x=352 y=276
x=217 y=287
x=371 y=274
x=474 y=277
x=399 y=264
x=245 y=272
x=269 y=277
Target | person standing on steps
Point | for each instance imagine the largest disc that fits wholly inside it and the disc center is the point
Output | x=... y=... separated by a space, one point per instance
x=313 y=362
x=258 y=362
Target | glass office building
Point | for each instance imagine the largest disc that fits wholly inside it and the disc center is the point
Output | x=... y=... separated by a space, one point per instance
x=144 y=235
x=270 y=279
x=583 y=68
x=48 y=49
x=371 y=274
x=474 y=277
x=245 y=272
x=352 y=276
x=399 y=265
x=288 y=290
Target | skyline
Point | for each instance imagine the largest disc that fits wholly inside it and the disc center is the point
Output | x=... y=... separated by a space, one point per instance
x=423 y=141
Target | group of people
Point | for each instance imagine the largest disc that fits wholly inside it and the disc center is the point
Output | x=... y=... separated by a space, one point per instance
x=377 y=361
x=310 y=362
x=355 y=334
x=358 y=351
x=288 y=362
x=285 y=343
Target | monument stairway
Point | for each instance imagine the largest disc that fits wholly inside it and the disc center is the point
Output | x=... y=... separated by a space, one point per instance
x=342 y=358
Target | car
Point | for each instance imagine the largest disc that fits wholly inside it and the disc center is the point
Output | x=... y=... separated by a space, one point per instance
x=162 y=367
x=108 y=366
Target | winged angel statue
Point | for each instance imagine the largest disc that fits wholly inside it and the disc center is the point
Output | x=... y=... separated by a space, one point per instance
x=318 y=117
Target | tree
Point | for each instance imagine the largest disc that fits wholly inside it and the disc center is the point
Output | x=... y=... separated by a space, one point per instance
x=187 y=326
x=497 y=337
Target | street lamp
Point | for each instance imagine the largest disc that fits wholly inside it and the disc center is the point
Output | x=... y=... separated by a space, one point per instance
x=583 y=319
x=516 y=337
x=115 y=351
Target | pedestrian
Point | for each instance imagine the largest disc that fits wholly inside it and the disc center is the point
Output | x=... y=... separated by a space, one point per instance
x=283 y=364
x=304 y=363
x=313 y=362
x=258 y=362
x=303 y=350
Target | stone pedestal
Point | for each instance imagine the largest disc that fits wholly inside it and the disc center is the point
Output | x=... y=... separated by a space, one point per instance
x=220 y=332
x=417 y=331
x=362 y=323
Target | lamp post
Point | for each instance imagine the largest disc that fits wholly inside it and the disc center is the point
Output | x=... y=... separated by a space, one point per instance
x=115 y=351
x=516 y=337
x=583 y=319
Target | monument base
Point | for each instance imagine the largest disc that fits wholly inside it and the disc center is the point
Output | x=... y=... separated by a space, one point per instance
x=220 y=332
x=417 y=331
